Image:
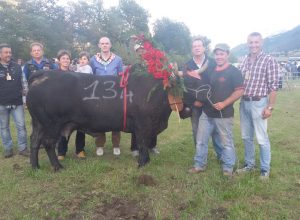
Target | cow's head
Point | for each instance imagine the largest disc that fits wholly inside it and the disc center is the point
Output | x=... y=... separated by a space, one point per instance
x=196 y=93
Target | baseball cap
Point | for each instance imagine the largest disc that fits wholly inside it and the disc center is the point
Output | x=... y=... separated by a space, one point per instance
x=223 y=47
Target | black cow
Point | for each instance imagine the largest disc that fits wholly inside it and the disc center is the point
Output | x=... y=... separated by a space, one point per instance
x=61 y=102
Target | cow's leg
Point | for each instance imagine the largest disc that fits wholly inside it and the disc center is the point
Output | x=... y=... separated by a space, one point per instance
x=35 y=142
x=50 y=149
x=153 y=142
x=134 y=146
x=143 y=142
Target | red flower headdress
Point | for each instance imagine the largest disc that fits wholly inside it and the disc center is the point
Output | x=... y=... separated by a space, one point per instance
x=156 y=60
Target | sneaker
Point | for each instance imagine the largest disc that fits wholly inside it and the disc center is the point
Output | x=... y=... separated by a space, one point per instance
x=81 y=155
x=227 y=173
x=61 y=157
x=117 y=151
x=195 y=170
x=245 y=169
x=264 y=175
x=135 y=153
x=154 y=150
x=8 y=153
x=24 y=152
x=99 y=151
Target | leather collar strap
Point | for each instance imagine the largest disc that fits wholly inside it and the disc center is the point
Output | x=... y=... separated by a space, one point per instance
x=123 y=84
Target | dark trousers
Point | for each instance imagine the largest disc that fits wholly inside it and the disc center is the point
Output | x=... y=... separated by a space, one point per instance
x=79 y=143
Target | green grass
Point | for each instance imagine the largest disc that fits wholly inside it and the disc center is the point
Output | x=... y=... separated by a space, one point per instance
x=108 y=187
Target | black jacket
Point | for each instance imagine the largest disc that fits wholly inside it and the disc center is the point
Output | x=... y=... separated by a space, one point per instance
x=11 y=90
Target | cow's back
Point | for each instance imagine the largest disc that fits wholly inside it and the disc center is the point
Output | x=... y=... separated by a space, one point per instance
x=95 y=103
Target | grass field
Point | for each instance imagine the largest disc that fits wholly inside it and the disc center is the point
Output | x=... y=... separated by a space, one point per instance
x=114 y=188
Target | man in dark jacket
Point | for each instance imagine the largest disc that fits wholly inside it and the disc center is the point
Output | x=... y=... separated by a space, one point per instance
x=38 y=61
x=11 y=102
x=199 y=68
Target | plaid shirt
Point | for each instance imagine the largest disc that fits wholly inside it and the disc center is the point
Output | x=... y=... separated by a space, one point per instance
x=260 y=77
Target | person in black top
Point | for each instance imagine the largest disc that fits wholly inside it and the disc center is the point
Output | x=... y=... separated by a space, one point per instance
x=226 y=87
x=64 y=59
x=11 y=103
x=199 y=68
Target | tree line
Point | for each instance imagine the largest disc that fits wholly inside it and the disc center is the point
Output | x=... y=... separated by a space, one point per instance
x=79 y=25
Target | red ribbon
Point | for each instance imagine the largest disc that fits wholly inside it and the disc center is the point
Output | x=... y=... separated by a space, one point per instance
x=123 y=84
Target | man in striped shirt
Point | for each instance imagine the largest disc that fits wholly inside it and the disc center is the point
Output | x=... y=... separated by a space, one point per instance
x=261 y=77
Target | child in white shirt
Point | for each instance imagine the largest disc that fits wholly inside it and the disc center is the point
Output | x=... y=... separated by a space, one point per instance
x=83 y=66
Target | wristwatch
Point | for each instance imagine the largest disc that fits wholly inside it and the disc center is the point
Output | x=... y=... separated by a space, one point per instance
x=270 y=108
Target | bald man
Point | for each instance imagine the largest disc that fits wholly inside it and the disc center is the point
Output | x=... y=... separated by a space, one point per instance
x=107 y=63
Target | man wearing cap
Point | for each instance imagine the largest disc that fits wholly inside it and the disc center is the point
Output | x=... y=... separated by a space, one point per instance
x=226 y=87
x=261 y=79
x=204 y=64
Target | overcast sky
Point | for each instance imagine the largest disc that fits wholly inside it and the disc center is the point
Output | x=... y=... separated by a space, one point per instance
x=228 y=21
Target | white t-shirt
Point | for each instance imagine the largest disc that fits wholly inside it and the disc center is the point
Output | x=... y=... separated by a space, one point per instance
x=84 y=69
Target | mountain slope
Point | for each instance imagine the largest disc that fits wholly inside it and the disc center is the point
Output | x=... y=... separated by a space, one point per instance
x=284 y=42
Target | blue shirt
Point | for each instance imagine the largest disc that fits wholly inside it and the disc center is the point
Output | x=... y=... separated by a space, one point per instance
x=112 y=68
x=44 y=64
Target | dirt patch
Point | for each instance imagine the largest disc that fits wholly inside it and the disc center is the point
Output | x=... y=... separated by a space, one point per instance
x=219 y=213
x=258 y=200
x=121 y=209
x=108 y=208
x=182 y=206
x=17 y=167
x=146 y=180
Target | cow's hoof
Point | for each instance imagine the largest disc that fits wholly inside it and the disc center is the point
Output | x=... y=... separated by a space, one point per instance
x=57 y=167
x=35 y=167
x=142 y=163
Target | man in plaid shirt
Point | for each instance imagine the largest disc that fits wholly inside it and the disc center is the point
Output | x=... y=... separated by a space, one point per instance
x=261 y=77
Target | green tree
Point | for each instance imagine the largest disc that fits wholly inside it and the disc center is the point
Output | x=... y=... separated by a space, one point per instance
x=25 y=21
x=173 y=36
x=86 y=20
x=136 y=18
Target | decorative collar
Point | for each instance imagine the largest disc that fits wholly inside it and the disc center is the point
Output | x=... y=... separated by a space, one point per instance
x=104 y=62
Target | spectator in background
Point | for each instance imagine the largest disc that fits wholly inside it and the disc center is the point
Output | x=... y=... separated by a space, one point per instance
x=38 y=61
x=107 y=63
x=261 y=77
x=282 y=72
x=11 y=102
x=64 y=60
x=294 y=70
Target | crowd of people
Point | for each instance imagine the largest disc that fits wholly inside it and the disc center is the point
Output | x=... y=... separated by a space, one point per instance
x=255 y=83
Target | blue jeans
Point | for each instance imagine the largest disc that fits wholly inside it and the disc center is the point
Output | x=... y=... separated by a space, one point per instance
x=221 y=126
x=252 y=121
x=19 y=119
x=216 y=140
